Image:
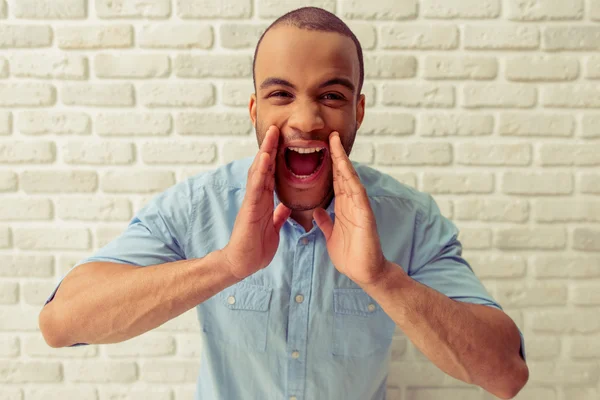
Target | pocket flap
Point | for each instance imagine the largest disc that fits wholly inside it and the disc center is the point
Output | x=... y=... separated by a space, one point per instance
x=245 y=296
x=354 y=301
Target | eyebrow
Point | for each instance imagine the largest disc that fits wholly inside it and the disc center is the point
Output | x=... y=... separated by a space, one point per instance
x=335 y=81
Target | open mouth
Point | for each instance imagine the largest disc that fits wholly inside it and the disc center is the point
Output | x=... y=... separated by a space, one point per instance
x=304 y=163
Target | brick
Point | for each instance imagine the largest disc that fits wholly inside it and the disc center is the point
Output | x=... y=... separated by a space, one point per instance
x=132 y=66
x=53 y=122
x=446 y=124
x=29 y=371
x=387 y=123
x=448 y=393
x=572 y=38
x=25 y=36
x=592 y=67
x=571 y=96
x=57 y=66
x=543 y=348
x=581 y=393
x=27 y=94
x=492 y=210
x=9 y=293
x=537 y=183
x=574 y=321
x=93 y=208
x=536 y=125
x=133 y=9
x=98 y=94
x=569 y=154
x=475 y=238
x=390 y=66
x=177 y=152
x=458 y=183
x=564 y=372
x=590 y=126
x=19 y=152
x=19 y=318
x=503 y=37
x=498 y=266
x=535 y=238
x=36 y=293
x=3 y=14
x=418 y=95
x=419 y=37
x=531 y=295
x=413 y=153
x=213 y=65
x=385 y=10
x=589 y=183
x=5 y=123
x=56 y=181
x=5 y=238
x=177 y=95
x=8 y=181
x=499 y=95
x=94 y=37
x=566 y=210
x=493 y=154
x=141 y=393
x=97 y=153
x=150 y=345
x=119 y=181
x=237 y=149
x=586 y=239
x=104 y=235
x=9 y=347
x=467 y=9
x=595 y=10
x=188 y=346
x=241 y=35
x=3 y=67
x=48 y=9
x=213 y=123
x=98 y=371
x=237 y=94
x=363 y=152
x=25 y=208
x=168 y=371
x=23 y=265
x=133 y=124
x=214 y=9
x=585 y=294
x=51 y=239
x=182 y=35
x=365 y=32
x=541 y=68
x=567 y=267
x=57 y=392
x=464 y=67
x=544 y=10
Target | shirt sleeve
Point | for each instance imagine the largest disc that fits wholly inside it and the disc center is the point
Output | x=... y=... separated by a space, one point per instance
x=437 y=260
x=155 y=235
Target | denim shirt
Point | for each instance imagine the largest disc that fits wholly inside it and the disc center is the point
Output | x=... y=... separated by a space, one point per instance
x=297 y=329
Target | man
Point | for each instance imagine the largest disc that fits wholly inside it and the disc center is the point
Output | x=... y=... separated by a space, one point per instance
x=299 y=262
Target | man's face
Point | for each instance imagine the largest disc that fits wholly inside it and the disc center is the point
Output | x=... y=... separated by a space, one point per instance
x=306 y=85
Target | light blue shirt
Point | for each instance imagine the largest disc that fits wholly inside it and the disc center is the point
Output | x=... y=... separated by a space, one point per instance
x=297 y=327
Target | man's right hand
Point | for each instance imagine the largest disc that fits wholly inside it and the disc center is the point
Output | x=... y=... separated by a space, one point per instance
x=255 y=235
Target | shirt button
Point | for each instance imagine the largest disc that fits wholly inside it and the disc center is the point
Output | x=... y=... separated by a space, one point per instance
x=299 y=298
x=371 y=307
x=295 y=354
x=304 y=241
x=293 y=398
x=231 y=300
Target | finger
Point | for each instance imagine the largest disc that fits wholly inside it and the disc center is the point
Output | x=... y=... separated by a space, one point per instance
x=265 y=147
x=280 y=215
x=324 y=222
x=354 y=187
x=255 y=186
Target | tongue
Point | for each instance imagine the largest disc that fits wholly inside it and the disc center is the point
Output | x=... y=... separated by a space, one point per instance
x=303 y=164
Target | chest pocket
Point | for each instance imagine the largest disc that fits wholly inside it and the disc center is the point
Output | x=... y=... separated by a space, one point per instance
x=361 y=327
x=240 y=315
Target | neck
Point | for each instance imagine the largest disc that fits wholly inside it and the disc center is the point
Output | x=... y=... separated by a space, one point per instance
x=305 y=217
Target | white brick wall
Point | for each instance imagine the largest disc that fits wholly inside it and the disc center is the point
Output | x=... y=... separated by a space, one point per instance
x=492 y=106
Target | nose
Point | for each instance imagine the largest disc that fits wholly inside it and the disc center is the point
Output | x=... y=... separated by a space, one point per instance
x=306 y=117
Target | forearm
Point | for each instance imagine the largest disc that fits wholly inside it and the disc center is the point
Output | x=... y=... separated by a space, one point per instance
x=476 y=344
x=99 y=303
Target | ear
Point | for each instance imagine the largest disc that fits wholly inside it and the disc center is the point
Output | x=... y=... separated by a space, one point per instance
x=360 y=111
x=252 y=109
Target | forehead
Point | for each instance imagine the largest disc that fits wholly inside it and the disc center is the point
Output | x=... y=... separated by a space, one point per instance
x=304 y=57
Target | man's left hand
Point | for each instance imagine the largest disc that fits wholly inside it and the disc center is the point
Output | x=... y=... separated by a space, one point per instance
x=352 y=241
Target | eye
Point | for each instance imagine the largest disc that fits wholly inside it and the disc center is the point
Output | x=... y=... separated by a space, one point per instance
x=333 y=96
x=280 y=94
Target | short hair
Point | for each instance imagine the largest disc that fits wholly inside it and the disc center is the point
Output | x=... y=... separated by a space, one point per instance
x=315 y=19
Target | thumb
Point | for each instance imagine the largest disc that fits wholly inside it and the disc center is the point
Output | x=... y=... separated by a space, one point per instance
x=323 y=222
x=280 y=215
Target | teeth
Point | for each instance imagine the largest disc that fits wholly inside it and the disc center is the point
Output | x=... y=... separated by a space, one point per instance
x=303 y=150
